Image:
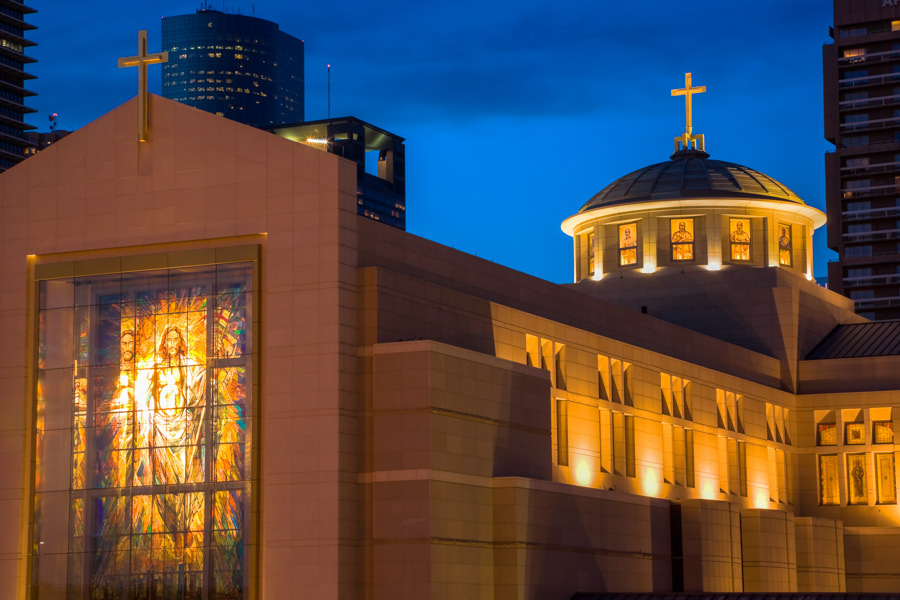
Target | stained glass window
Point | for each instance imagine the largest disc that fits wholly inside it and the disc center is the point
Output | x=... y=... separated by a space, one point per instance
x=856 y=475
x=885 y=483
x=739 y=234
x=855 y=433
x=785 y=248
x=883 y=432
x=628 y=244
x=827 y=434
x=682 y=235
x=828 y=479
x=592 y=267
x=143 y=431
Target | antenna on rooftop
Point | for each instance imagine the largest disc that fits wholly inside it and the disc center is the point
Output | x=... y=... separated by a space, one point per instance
x=329 y=91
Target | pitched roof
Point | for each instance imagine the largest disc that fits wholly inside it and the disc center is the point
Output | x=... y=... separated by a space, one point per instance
x=880 y=338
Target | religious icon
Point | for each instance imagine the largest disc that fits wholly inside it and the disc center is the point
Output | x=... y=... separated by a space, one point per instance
x=828 y=479
x=628 y=244
x=682 y=239
x=784 y=245
x=885 y=479
x=856 y=470
x=161 y=380
x=855 y=433
x=740 y=239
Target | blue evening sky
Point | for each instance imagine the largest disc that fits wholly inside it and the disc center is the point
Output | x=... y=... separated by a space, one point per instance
x=514 y=113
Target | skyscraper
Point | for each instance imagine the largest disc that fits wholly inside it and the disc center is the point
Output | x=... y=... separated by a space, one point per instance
x=12 y=82
x=862 y=119
x=235 y=66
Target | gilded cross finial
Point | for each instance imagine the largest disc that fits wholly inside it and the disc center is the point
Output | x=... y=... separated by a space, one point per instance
x=141 y=61
x=683 y=142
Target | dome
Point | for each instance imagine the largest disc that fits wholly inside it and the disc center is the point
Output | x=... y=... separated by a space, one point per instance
x=690 y=174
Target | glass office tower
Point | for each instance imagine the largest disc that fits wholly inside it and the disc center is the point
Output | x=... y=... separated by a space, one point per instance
x=236 y=66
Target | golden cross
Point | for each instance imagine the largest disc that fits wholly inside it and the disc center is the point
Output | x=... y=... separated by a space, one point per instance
x=141 y=61
x=687 y=91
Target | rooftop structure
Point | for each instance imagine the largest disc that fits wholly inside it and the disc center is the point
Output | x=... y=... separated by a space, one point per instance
x=380 y=159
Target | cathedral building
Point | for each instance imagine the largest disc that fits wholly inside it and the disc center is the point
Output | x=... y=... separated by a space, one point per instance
x=219 y=381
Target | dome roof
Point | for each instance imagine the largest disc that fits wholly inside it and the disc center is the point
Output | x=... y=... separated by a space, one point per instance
x=690 y=174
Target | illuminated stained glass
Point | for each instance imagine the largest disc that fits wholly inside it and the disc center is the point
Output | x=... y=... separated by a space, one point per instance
x=827 y=434
x=828 y=479
x=628 y=244
x=855 y=433
x=592 y=266
x=883 y=432
x=856 y=474
x=785 y=247
x=147 y=375
x=886 y=485
x=682 y=232
x=739 y=234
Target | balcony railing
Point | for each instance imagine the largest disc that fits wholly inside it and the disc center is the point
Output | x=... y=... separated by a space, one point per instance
x=872 y=168
x=868 y=80
x=874 y=57
x=868 y=192
x=870 y=124
x=886 y=302
x=872 y=280
x=874 y=236
x=870 y=102
x=874 y=213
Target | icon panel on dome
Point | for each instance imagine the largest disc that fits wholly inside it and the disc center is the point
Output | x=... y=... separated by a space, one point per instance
x=682 y=236
x=628 y=244
x=739 y=234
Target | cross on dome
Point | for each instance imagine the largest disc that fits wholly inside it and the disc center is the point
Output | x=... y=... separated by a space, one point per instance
x=683 y=142
x=141 y=61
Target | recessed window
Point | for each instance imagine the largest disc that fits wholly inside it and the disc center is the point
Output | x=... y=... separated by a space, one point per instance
x=682 y=236
x=628 y=244
x=739 y=235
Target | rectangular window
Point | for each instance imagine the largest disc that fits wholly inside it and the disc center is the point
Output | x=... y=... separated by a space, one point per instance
x=739 y=234
x=144 y=391
x=856 y=479
x=855 y=433
x=826 y=434
x=628 y=244
x=829 y=492
x=629 y=446
x=856 y=163
x=603 y=378
x=592 y=262
x=560 y=364
x=562 y=433
x=883 y=432
x=682 y=236
x=856 y=118
x=854 y=53
x=885 y=482
x=854 y=141
x=785 y=245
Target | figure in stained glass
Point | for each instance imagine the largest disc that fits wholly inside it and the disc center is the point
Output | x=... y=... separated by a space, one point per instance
x=784 y=246
x=740 y=239
x=628 y=244
x=682 y=239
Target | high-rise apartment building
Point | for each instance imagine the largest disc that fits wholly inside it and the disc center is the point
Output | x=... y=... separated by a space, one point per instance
x=12 y=82
x=862 y=119
x=235 y=66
